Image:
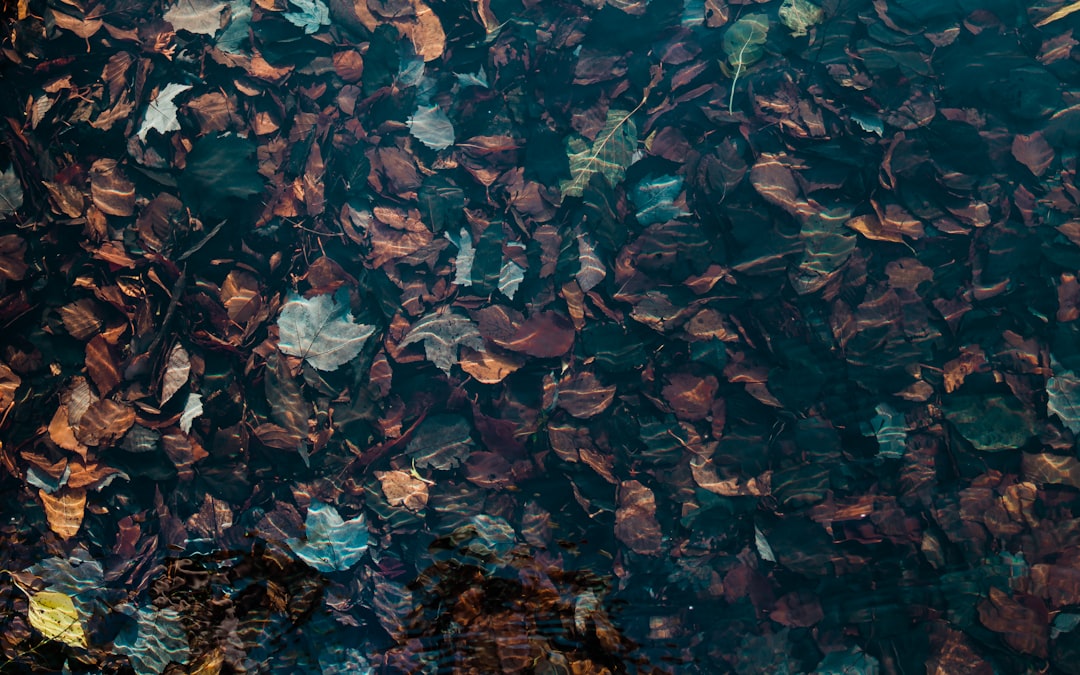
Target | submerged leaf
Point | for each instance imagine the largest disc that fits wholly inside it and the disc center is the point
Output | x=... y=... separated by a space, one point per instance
x=432 y=127
x=321 y=330
x=743 y=42
x=331 y=544
x=655 y=197
x=442 y=332
x=11 y=192
x=312 y=15
x=53 y=614
x=1063 y=397
x=156 y=640
x=609 y=154
x=798 y=15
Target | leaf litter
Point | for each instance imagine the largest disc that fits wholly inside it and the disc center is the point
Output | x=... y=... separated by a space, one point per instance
x=583 y=336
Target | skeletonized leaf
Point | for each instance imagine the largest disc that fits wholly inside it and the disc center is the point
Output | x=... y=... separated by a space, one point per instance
x=609 y=154
x=330 y=543
x=321 y=330
x=432 y=127
x=161 y=112
x=53 y=614
x=442 y=332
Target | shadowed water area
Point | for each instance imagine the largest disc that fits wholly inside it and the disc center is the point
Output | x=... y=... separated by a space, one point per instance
x=562 y=337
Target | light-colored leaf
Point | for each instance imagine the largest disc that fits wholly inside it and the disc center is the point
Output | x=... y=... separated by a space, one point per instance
x=313 y=14
x=161 y=113
x=330 y=543
x=442 y=332
x=53 y=614
x=799 y=15
x=203 y=17
x=744 y=45
x=609 y=153
x=237 y=31
x=192 y=409
x=510 y=277
x=321 y=330
x=156 y=640
x=1063 y=396
x=177 y=368
x=655 y=199
x=463 y=263
x=11 y=192
x=431 y=126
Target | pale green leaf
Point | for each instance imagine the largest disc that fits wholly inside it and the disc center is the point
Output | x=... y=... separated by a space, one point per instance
x=609 y=153
x=799 y=15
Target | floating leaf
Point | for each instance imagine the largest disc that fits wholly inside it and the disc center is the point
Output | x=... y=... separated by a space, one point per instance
x=330 y=543
x=321 y=330
x=432 y=127
x=161 y=112
x=53 y=614
x=443 y=332
x=156 y=640
x=609 y=154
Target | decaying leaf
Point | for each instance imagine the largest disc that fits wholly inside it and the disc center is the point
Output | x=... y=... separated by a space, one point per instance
x=402 y=488
x=443 y=332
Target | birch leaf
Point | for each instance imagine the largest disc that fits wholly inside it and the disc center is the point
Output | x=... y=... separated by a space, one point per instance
x=609 y=154
x=321 y=330
x=53 y=614
x=161 y=113
x=431 y=126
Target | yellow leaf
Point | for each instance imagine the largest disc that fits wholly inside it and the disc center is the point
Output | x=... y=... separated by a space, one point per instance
x=53 y=614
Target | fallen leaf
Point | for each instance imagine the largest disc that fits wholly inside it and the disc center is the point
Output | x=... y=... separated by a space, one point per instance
x=321 y=330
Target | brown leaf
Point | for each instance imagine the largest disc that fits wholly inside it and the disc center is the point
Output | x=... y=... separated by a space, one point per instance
x=583 y=396
x=157 y=223
x=1043 y=467
x=401 y=488
x=105 y=422
x=1033 y=151
x=12 y=257
x=177 y=368
x=9 y=384
x=690 y=396
x=81 y=318
x=543 y=335
x=64 y=510
x=635 y=519
x=1021 y=621
x=110 y=189
x=489 y=366
x=100 y=365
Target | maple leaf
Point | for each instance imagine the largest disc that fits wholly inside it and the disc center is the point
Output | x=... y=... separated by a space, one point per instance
x=331 y=544
x=442 y=332
x=161 y=113
x=609 y=154
x=321 y=330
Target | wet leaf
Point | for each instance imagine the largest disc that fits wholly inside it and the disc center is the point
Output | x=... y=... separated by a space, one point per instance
x=155 y=640
x=430 y=125
x=11 y=192
x=161 y=113
x=53 y=614
x=655 y=199
x=443 y=332
x=608 y=154
x=331 y=544
x=635 y=519
x=800 y=15
x=321 y=330
x=313 y=15
x=64 y=510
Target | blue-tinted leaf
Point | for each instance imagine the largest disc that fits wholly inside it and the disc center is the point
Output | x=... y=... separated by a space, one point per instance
x=156 y=639
x=312 y=15
x=77 y=575
x=321 y=330
x=331 y=544
x=890 y=428
x=1063 y=396
x=432 y=127
x=655 y=197
x=852 y=662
